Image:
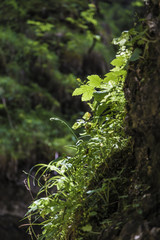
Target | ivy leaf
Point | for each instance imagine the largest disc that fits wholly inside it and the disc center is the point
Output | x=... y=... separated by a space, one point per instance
x=114 y=76
x=87 y=228
x=86 y=91
x=110 y=76
x=87 y=95
x=135 y=55
x=119 y=61
x=78 y=91
x=94 y=81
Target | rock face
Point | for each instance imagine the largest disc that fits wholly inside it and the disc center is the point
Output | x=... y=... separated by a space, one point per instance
x=142 y=91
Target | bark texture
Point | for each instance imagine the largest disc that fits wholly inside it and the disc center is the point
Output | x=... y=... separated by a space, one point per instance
x=142 y=91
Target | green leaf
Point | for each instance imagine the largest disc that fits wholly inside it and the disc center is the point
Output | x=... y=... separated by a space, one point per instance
x=86 y=116
x=110 y=76
x=78 y=91
x=87 y=228
x=94 y=80
x=86 y=91
x=92 y=213
x=99 y=95
x=78 y=124
x=101 y=108
x=87 y=95
x=119 y=61
x=114 y=76
x=135 y=55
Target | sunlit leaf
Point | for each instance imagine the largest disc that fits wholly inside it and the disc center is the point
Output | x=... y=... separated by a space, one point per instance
x=94 y=80
x=86 y=116
x=86 y=91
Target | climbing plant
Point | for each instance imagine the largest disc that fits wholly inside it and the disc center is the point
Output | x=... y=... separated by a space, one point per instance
x=66 y=182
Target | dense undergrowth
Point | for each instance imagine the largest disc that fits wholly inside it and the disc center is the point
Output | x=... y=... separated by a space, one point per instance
x=71 y=193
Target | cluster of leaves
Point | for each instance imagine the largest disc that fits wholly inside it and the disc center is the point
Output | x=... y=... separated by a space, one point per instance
x=68 y=181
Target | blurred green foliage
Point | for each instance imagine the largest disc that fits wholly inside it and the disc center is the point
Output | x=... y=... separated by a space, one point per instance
x=44 y=46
